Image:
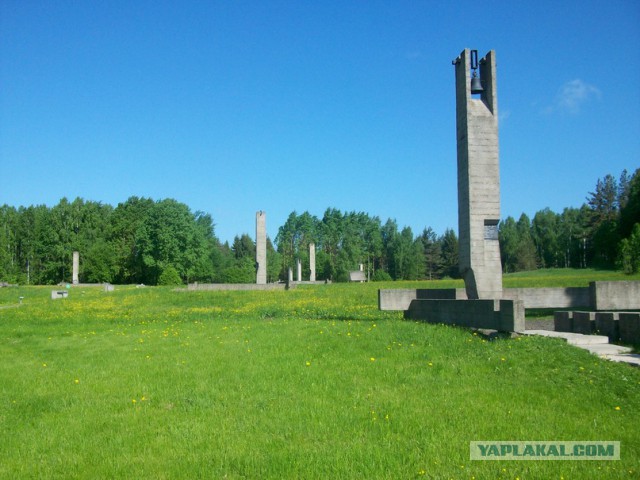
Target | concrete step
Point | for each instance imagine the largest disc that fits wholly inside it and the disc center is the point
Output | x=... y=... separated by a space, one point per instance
x=596 y=344
x=604 y=350
x=571 y=338
x=632 y=358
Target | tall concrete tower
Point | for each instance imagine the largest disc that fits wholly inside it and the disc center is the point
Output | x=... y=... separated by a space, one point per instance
x=478 y=176
x=261 y=248
x=312 y=262
x=75 y=268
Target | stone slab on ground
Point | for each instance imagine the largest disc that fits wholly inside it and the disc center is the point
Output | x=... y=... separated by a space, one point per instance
x=632 y=359
x=604 y=350
x=571 y=338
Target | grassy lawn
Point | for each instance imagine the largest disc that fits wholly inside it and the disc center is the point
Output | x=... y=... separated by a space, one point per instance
x=309 y=383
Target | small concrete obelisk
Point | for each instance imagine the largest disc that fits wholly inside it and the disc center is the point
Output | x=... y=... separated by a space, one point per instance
x=312 y=262
x=261 y=248
x=76 y=268
x=299 y=271
x=478 y=177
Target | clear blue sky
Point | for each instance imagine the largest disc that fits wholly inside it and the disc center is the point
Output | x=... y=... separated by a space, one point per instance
x=237 y=106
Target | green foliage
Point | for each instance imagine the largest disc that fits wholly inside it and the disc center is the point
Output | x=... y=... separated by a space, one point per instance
x=135 y=241
x=381 y=276
x=169 y=276
x=630 y=251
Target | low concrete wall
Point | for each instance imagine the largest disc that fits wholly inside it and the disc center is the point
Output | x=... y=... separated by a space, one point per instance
x=400 y=299
x=618 y=326
x=598 y=296
x=570 y=297
x=237 y=286
x=615 y=295
x=502 y=315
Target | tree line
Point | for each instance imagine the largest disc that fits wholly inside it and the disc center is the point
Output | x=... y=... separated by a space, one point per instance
x=164 y=242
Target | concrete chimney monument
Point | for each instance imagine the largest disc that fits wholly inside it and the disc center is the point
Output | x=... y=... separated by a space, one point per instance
x=76 y=268
x=312 y=262
x=478 y=174
x=261 y=248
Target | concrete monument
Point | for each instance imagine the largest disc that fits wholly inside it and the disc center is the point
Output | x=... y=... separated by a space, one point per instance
x=312 y=262
x=261 y=248
x=298 y=270
x=478 y=175
x=76 y=268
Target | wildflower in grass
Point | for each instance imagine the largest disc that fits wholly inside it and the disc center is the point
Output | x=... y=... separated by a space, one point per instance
x=430 y=364
x=503 y=359
x=308 y=363
x=617 y=408
x=76 y=381
x=133 y=400
x=44 y=365
x=372 y=359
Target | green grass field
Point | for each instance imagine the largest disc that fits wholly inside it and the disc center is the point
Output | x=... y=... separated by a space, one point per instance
x=310 y=383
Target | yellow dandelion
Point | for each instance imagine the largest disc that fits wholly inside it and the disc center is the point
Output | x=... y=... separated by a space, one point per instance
x=44 y=364
x=308 y=363
x=430 y=364
x=76 y=381
x=372 y=359
x=133 y=400
x=617 y=408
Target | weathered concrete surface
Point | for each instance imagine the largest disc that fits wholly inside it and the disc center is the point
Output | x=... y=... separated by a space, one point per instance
x=478 y=179
x=571 y=338
x=501 y=315
x=56 y=294
x=400 y=299
x=563 y=321
x=632 y=358
x=629 y=325
x=607 y=324
x=584 y=322
x=261 y=248
x=606 y=349
x=75 y=278
x=573 y=297
x=615 y=295
x=312 y=262
x=553 y=297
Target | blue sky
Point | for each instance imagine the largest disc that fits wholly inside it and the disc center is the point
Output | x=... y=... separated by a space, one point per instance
x=237 y=106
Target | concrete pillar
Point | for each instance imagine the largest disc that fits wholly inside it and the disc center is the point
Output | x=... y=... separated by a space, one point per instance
x=298 y=270
x=312 y=262
x=290 y=276
x=478 y=179
x=261 y=248
x=76 y=268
